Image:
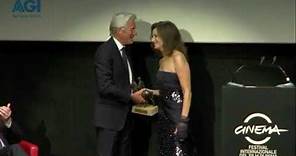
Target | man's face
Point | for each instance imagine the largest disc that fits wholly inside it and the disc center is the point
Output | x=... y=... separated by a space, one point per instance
x=127 y=34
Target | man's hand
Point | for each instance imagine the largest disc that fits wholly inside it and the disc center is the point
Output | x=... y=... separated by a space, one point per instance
x=137 y=97
x=5 y=112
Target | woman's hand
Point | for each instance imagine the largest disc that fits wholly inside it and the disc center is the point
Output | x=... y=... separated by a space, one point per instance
x=155 y=92
x=182 y=129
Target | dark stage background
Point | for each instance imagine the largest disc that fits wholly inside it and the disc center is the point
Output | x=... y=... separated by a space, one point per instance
x=51 y=87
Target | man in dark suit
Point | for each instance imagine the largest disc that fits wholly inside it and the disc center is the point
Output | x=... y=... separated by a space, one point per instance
x=10 y=134
x=114 y=95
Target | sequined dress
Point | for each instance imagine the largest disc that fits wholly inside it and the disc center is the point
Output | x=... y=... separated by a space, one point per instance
x=170 y=106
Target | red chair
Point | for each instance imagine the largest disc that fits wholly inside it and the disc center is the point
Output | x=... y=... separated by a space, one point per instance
x=30 y=148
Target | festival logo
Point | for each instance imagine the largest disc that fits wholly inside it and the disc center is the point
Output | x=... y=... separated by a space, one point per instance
x=258 y=134
x=26 y=8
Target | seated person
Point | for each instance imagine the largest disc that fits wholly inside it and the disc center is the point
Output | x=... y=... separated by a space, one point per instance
x=10 y=134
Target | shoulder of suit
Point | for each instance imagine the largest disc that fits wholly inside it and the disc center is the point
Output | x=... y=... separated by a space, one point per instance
x=109 y=44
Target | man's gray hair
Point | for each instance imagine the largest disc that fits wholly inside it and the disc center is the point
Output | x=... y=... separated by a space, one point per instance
x=120 y=20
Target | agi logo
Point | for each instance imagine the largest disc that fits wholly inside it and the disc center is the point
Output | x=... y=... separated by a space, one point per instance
x=253 y=130
x=27 y=6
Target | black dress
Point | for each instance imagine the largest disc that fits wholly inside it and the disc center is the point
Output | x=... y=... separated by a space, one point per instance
x=170 y=104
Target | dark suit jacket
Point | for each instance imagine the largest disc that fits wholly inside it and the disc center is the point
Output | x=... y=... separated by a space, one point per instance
x=9 y=136
x=112 y=87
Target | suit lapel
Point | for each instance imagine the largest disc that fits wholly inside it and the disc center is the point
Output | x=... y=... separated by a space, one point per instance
x=116 y=51
x=118 y=56
x=130 y=60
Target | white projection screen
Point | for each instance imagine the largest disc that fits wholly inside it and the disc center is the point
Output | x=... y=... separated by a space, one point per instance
x=200 y=21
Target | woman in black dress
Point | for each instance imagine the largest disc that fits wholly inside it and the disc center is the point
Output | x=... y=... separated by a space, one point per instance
x=173 y=89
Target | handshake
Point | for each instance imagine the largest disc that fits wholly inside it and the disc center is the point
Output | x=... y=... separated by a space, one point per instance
x=147 y=107
x=146 y=94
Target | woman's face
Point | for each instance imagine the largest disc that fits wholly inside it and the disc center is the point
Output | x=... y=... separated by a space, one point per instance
x=156 y=40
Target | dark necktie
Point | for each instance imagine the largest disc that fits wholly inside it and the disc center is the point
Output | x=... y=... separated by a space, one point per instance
x=125 y=61
x=124 y=57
